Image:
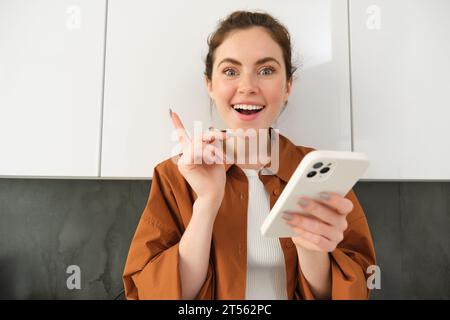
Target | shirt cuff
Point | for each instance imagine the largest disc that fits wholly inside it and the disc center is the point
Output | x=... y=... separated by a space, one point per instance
x=348 y=281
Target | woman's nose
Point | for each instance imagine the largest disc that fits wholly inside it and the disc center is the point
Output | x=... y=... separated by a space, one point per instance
x=248 y=84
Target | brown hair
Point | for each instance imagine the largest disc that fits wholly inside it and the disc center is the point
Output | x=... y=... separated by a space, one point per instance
x=240 y=20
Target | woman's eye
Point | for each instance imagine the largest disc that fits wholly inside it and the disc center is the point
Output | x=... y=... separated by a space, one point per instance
x=267 y=71
x=229 y=72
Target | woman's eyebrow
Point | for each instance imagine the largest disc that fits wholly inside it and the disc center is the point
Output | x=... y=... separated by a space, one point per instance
x=260 y=61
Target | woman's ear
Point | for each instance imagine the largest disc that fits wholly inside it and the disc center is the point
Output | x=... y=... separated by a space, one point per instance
x=288 y=89
x=208 y=84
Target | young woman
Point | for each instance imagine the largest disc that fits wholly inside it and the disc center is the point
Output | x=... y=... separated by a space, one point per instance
x=198 y=237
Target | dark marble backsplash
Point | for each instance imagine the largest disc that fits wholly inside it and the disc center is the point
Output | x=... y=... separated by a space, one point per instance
x=48 y=225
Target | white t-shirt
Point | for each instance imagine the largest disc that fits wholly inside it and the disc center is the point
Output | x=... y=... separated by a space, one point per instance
x=266 y=273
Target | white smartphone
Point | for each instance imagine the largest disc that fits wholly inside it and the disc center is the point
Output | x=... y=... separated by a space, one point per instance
x=319 y=171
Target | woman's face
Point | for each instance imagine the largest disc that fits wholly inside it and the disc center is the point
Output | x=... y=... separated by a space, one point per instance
x=249 y=73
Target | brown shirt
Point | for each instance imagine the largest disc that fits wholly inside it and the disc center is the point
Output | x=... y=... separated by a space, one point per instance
x=152 y=266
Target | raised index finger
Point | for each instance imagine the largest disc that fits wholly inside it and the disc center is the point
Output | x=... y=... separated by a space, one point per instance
x=181 y=131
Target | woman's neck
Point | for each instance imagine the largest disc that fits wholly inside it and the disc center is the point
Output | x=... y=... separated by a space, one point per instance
x=247 y=151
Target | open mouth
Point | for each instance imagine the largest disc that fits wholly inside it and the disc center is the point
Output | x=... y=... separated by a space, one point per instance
x=247 y=109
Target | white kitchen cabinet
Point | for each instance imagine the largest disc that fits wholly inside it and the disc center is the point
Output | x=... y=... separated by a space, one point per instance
x=51 y=71
x=155 y=60
x=400 y=71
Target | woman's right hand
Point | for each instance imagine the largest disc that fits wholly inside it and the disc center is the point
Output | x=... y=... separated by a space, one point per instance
x=202 y=162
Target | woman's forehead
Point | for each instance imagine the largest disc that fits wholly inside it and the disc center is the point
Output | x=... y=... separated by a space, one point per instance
x=248 y=46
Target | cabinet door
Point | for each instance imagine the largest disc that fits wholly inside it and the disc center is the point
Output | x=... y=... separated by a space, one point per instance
x=400 y=84
x=155 y=60
x=51 y=68
x=318 y=113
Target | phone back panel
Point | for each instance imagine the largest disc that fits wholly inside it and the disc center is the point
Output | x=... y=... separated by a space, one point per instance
x=343 y=170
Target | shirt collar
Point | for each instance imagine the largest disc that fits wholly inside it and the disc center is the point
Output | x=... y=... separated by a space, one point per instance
x=289 y=158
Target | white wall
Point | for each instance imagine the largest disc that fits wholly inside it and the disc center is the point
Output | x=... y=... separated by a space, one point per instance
x=59 y=119
x=400 y=56
x=155 y=59
x=51 y=67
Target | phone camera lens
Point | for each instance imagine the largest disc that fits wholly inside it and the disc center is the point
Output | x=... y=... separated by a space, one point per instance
x=317 y=165
x=325 y=170
x=311 y=174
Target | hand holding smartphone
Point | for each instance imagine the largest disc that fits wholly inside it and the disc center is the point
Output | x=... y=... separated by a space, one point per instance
x=319 y=171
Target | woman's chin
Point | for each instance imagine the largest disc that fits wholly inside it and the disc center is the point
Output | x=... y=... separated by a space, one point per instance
x=248 y=126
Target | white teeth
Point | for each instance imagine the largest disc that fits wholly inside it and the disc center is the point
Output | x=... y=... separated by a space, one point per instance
x=247 y=107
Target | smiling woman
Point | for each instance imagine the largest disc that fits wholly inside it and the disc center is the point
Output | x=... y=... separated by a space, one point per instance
x=248 y=70
x=199 y=238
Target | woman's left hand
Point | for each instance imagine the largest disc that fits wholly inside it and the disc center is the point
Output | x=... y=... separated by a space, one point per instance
x=320 y=225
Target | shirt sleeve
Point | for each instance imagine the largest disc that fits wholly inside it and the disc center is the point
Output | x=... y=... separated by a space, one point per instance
x=152 y=266
x=350 y=260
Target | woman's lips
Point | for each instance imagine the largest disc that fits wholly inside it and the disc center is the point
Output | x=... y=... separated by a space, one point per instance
x=247 y=117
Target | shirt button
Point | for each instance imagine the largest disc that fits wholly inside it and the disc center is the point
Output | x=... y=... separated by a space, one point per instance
x=289 y=243
x=242 y=196
x=276 y=192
